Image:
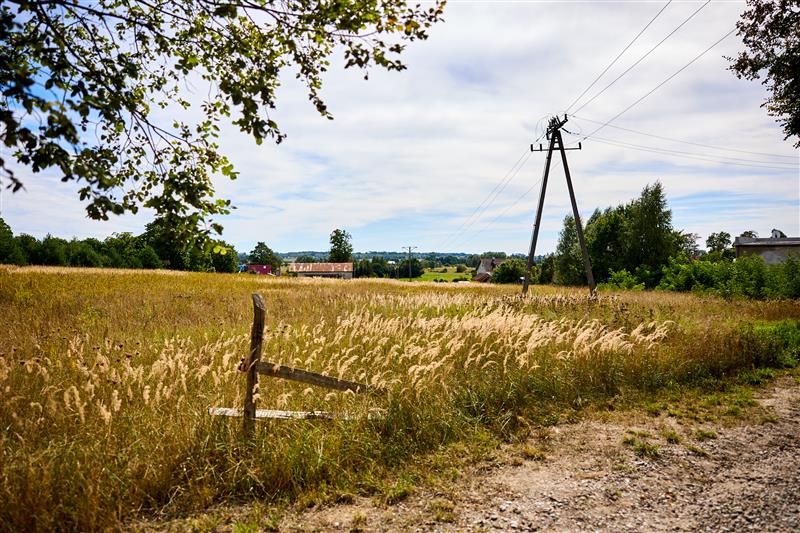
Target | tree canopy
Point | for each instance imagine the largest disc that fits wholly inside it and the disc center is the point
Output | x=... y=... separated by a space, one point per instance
x=510 y=271
x=769 y=30
x=718 y=242
x=341 y=248
x=151 y=249
x=637 y=237
x=86 y=87
x=263 y=255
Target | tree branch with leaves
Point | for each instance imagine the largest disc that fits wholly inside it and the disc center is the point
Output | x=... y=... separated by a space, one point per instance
x=82 y=82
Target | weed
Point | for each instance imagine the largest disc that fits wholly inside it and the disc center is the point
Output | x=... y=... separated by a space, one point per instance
x=734 y=410
x=532 y=453
x=397 y=493
x=672 y=437
x=345 y=497
x=654 y=408
x=769 y=418
x=358 y=522
x=702 y=435
x=443 y=510
x=696 y=450
x=642 y=448
x=756 y=376
x=245 y=528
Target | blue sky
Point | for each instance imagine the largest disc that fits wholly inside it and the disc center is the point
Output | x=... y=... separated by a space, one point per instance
x=411 y=155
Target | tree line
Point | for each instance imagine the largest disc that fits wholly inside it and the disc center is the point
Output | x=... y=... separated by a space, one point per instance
x=635 y=246
x=156 y=247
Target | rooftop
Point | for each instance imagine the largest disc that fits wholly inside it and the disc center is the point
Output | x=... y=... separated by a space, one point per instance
x=320 y=267
x=769 y=241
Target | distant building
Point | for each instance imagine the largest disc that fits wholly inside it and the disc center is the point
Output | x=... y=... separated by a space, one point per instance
x=773 y=250
x=322 y=270
x=258 y=269
x=485 y=269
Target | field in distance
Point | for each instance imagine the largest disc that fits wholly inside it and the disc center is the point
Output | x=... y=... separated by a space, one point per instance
x=449 y=274
x=107 y=377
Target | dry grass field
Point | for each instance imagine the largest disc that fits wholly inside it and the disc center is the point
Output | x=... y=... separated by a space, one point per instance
x=106 y=378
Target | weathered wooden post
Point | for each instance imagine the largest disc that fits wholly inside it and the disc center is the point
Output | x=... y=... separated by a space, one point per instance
x=251 y=364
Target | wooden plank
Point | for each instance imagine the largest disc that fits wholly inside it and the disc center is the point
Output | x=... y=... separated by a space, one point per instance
x=251 y=363
x=288 y=415
x=312 y=378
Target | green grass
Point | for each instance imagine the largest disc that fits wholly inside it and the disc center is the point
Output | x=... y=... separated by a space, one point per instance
x=704 y=435
x=701 y=452
x=642 y=447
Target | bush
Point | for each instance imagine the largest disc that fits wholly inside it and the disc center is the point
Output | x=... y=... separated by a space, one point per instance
x=747 y=277
x=622 y=279
x=510 y=271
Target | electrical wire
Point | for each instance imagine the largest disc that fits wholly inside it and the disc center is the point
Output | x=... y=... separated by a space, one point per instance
x=490 y=198
x=521 y=197
x=711 y=157
x=502 y=214
x=670 y=34
x=614 y=61
x=673 y=153
x=654 y=89
x=713 y=147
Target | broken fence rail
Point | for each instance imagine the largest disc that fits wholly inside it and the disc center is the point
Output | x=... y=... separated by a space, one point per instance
x=253 y=366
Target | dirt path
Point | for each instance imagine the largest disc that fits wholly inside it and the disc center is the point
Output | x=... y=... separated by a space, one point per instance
x=591 y=480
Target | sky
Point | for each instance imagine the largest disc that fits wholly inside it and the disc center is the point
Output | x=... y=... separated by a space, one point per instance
x=438 y=156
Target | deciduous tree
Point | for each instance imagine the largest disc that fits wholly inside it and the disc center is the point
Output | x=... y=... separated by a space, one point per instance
x=341 y=248
x=718 y=242
x=568 y=268
x=263 y=255
x=84 y=84
x=769 y=30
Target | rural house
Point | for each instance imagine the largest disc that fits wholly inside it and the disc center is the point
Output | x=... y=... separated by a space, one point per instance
x=322 y=270
x=258 y=269
x=773 y=250
x=485 y=269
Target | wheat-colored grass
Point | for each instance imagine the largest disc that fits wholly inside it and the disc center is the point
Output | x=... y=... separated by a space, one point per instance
x=106 y=377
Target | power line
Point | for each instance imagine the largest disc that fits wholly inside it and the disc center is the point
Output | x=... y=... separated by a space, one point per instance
x=614 y=61
x=673 y=153
x=670 y=34
x=710 y=157
x=499 y=188
x=713 y=147
x=506 y=210
x=654 y=89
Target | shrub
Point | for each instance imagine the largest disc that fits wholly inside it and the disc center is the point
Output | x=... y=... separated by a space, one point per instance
x=622 y=279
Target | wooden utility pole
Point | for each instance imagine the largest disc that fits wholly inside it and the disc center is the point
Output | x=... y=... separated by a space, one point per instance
x=554 y=135
x=409 y=248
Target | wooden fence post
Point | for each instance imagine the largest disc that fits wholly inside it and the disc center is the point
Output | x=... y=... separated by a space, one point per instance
x=251 y=364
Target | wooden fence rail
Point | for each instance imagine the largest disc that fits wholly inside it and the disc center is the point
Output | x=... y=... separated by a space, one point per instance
x=253 y=366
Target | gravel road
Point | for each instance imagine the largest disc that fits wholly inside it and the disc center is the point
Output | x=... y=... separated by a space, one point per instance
x=591 y=480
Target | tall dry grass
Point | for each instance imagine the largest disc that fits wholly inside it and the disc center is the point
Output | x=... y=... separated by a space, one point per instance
x=106 y=379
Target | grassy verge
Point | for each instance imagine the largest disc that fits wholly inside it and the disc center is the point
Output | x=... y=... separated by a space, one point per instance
x=107 y=377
